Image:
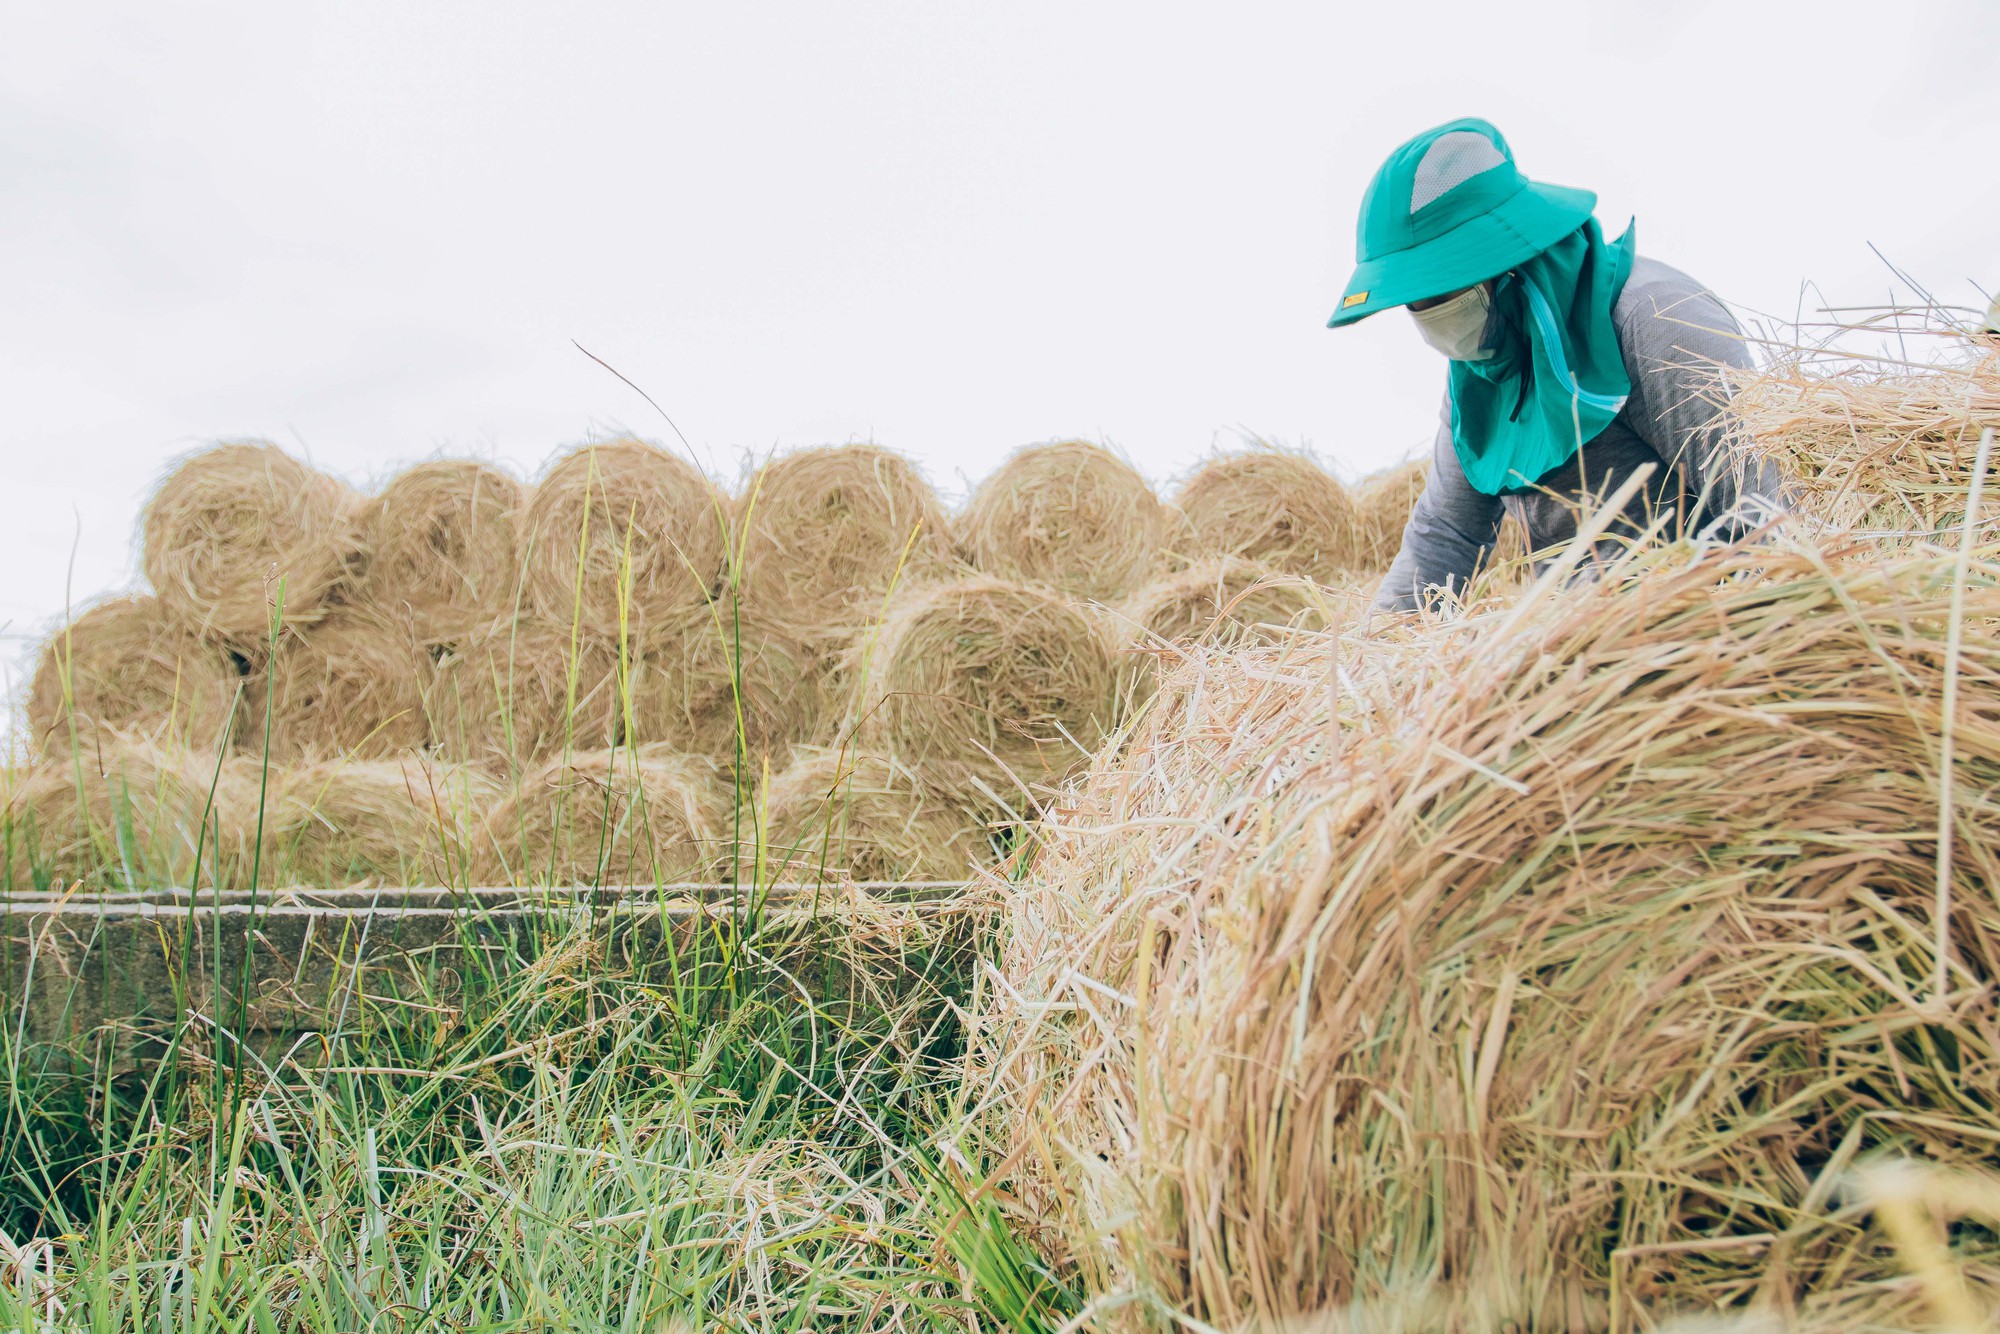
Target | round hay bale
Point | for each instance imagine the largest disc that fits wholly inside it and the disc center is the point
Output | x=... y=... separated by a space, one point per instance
x=643 y=526
x=386 y=822
x=1071 y=515
x=517 y=692
x=1220 y=603
x=719 y=672
x=869 y=817
x=231 y=522
x=606 y=817
x=1607 y=922
x=352 y=686
x=125 y=813
x=1383 y=503
x=1279 y=508
x=992 y=677
x=826 y=533
x=126 y=666
x=442 y=546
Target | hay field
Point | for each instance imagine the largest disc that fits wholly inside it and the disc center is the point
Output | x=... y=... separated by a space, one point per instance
x=1614 y=955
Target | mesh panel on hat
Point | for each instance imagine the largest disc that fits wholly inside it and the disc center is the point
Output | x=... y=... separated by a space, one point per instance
x=1450 y=162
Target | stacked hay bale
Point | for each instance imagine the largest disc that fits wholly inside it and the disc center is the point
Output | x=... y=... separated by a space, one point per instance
x=1419 y=985
x=457 y=625
x=1275 y=507
x=1071 y=516
x=1885 y=448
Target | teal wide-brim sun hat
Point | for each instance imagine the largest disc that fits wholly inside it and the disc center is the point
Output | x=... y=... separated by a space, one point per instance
x=1447 y=210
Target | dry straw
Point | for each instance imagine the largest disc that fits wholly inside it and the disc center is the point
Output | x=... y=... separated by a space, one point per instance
x=620 y=535
x=521 y=690
x=232 y=523
x=825 y=534
x=612 y=817
x=990 y=678
x=1869 y=444
x=125 y=666
x=388 y=822
x=442 y=546
x=1276 y=507
x=1382 y=507
x=726 y=672
x=353 y=685
x=1554 y=965
x=1071 y=515
x=128 y=812
x=1220 y=603
x=864 y=816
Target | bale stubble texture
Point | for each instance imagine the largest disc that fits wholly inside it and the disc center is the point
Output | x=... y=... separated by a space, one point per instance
x=842 y=813
x=610 y=817
x=621 y=535
x=1382 y=506
x=1214 y=603
x=233 y=523
x=1069 y=515
x=825 y=534
x=988 y=678
x=354 y=685
x=442 y=547
x=126 y=666
x=728 y=672
x=1279 y=508
x=386 y=822
x=519 y=691
x=1548 y=968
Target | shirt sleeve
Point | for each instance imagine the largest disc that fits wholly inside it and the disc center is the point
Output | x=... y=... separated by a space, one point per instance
x=1678 y=341
x=1452 y=527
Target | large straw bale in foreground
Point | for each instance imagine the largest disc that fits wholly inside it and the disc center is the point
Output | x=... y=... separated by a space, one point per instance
x=391 y=822
x=1382 y=506
x=611 y=817
x=869 y=817
x=728 y=672
x=126 y=666
x=1071 y=515
x=231 y=523
x=992 y=678
x=1573 y=949
x=519 y=691
x=128 y=812
x=622 y=524
x=826 y=533
x=1874 y=445
x=353 y=685
x=442 y=546
x=1279 y=508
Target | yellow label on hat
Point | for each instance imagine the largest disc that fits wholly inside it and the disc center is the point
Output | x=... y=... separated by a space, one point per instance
x=1354 y=300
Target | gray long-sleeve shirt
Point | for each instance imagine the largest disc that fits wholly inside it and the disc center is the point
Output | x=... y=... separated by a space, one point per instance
x=1674 y=336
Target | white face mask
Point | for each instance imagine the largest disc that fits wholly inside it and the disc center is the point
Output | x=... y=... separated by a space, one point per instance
x=1457 y=327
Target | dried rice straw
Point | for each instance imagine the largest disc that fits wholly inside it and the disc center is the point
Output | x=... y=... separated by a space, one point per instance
x=442 y=546
x=1071 y=515
x=352 y=686
x=230 y=523
x=124 y=666
x=1279 y=508
x=606 y=817
x=838 y=813
x=643 y=526
x=826 y=533
x=990 y=678
x=1605 y=920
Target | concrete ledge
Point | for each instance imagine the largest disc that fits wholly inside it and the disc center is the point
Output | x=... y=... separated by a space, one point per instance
x=135 y=964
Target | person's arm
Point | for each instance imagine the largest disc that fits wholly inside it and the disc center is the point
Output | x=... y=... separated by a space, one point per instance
x=1677 y=340
x=1451 y=529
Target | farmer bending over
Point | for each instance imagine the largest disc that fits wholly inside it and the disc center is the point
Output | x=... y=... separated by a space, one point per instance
x=1574 y=361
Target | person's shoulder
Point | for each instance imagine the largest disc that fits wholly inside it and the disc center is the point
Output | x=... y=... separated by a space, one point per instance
x=1654 y=288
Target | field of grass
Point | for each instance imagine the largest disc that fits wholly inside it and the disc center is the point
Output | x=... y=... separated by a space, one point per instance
x=569 y=1143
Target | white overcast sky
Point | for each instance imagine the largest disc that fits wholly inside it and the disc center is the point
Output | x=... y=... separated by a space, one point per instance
x=370 y=231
